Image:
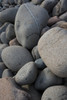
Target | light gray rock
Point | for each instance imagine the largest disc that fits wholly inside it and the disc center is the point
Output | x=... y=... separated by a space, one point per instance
x=7 y=73
x=3 y=27
x=46 y=79
x=27 y=74
x=29 y=22
x=40 y=64
x=15 y=57
x=49 y=4
x=3 y=38
x=60 y=8
x=63 y=17
x=8 y=15
x=2 y=46
x=55 y=93
x=35 y=53
x=10 y=34
x=52 y=48
x=2 y=68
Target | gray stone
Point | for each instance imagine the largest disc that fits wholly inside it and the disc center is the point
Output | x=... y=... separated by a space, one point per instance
x=63 y=17
x=15 y=57
x=7 y=73
x=37 y=1
x=52 y=48
x=60 y=8
x=45 y=30
x=55 y=93
x=49 y=4
x=3 y=27
x=35 y=53
x=8 y=15
x=29 y=22
x=2 y=68
x=10 y=34
x=46 y=79
x=3 y=38
x=40 y=64
x=27 y=74
x=2 y=46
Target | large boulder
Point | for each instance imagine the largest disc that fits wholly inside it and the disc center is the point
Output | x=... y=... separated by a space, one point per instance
x=55 y=93
x=15 y=57
x=29 y=22
x=9 y=90
x=52 y=47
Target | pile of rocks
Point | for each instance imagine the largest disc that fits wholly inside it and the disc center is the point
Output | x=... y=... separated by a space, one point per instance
x=33 y=49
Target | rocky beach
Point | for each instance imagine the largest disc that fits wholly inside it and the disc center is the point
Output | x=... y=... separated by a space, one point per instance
x=33 y=49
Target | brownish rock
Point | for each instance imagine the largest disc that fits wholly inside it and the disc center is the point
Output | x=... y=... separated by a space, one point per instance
x=61 y=24
x=14 y=42
x=53 y=20
x=10 y=91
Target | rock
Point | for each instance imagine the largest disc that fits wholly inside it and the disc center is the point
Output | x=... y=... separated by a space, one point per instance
x=10 y=91
x=63 y=17
x=7 y=73
x=15 y=57
x=27 y=74
x=46 y=79
x=45 y=30
x=49 y=4
x=21 y=1
x=52 y=48
x=35 y=53
x=55 y=93
x=35 y=95
x=3 y=38
x=5 y=15
x=14 y=42
x=53 y=20
x=61 y=24
x=3 y=27
x=37 y=1
x=2 y=67
x=40 y=64
x=10 y=34
x=2 y=46
x=60 y=8
x=29 y=29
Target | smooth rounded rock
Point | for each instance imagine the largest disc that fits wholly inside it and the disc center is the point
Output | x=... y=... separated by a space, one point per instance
x=46 y=79
x=37 y=1
x=3 y=38
x=8 y=15
x=63 y=17
x=52 y=48
x=40 y=64
x=9 y=90
x=55 y=93
x=29 y=22
x=7 y=73
x=2 y=46
x=35 y=53
x=27 y=74
x=10 y=34
x=2 y=68
x=15 y=57
x=49 y=4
